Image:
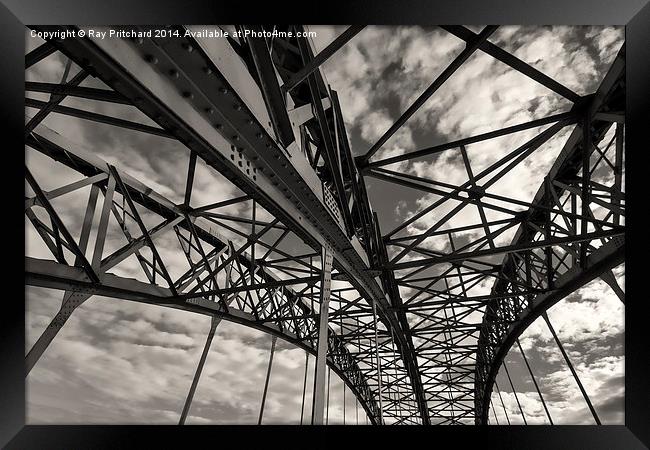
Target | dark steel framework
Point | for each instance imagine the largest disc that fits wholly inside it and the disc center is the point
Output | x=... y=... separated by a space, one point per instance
x=400 y=318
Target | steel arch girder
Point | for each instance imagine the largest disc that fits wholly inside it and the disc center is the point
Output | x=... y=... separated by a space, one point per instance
x=53 y=275
x=607 y=257
x=495 y=340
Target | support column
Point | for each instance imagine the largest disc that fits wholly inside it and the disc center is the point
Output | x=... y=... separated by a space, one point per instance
x=503 y=405
x=318 y=405
x=378 y=363
x=206 y=349
x=574 y=223
x=304 y=388
x=575 y=375
x=268 y=377
x=584 y=195
x=343 y=402
x=494 y=412
x=199 y=369
x=514 y=391
x=356 y=408
x=618 y=170
x=530 y=371
x=547 y=234
x=327 y=408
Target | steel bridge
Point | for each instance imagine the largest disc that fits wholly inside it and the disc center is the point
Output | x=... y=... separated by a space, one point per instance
x=396 y=319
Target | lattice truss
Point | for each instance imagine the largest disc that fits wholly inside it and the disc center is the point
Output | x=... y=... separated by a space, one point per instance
x=417 y=323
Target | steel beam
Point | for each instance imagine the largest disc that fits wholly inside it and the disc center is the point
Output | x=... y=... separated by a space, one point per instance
x=472 y=46
x=609 y=278
x=532 y=377
x=268 y=377
x=318 y=404
x=39 y=53
x=573 y=371
x=95 y=117
x=199 y=369
x=103 y=95
x=273 y=95
x=514 y=62
x=304 y=388
x=321 y=57
x=514 y=391
x=71 y=301
x=474 y=139
x=378 y=366
x=551 y=241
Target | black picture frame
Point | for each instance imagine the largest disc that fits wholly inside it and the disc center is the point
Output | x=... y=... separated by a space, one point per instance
x=634 y=14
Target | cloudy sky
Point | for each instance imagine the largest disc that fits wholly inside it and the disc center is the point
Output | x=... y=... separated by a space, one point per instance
x=122 y=362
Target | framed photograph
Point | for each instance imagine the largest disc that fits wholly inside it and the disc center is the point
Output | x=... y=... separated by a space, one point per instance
x=351 y=216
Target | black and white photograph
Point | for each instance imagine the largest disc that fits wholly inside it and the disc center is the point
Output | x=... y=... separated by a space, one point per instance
x=325 y=225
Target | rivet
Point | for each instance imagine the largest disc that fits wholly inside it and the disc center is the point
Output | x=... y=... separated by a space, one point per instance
x=151 y=59
x=235 y=138
x=188 y=47
x=207 y=70
x=223 y=90
x=188 y=94
x=218 y=126
x=209 y=110
x=173 y=73
x=237 y=106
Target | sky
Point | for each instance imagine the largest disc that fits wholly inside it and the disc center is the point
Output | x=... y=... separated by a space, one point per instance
x=123 y=362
